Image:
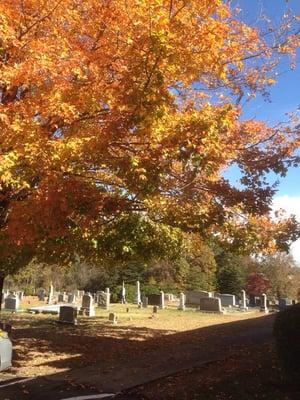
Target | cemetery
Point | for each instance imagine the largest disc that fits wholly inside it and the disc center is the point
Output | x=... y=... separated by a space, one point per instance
x=93 y=313
x=149 y=200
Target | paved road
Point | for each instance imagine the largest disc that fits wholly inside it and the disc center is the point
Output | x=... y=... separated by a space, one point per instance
x=171 y=354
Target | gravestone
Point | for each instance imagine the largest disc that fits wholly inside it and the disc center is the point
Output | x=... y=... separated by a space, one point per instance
x=107 y=298
x=264 y=307
x=154 y=299
x=155 y=309
x=193 y=297
x=243 y=306
x=4 y=295
x=169 y=297
x=51 y=294
x=284 y=303
x=80 y=294
x=61 y=298
x=181 y=302
x=103 y=299
x=123 y=294
x=145 y=301
x=211 y=304
x=41 y=294
x=113 y=318
x=227 y=300
x=257 y=301
x=87 y=306
x=68 y=315
x=12 y=302
x=20 y=294
x=71 y=298
x=137 y=293
x=162 y=300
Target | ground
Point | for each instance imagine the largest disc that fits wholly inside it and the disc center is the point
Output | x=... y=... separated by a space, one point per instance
x=184 y=355
x=44 y=347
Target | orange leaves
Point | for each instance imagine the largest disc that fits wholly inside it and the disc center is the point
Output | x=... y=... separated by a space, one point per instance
x=128 y=106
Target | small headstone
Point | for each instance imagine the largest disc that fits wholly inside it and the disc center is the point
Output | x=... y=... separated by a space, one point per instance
x=68 y=315
x=145 y=301
x=12 y=302
x=113 y=318
x=127 y=310
x=155 y=309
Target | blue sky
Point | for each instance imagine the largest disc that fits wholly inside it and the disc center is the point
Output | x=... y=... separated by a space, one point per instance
x=284 y=97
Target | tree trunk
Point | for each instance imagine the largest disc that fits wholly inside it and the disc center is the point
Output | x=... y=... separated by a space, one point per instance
x=2 y=277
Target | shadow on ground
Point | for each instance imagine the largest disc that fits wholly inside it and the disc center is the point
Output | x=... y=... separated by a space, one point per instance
x=113 y=358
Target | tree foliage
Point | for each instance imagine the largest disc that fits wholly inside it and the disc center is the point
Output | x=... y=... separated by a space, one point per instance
x=257 y=284
x=107 y=108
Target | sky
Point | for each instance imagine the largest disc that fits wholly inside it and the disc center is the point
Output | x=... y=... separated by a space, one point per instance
x=284 y=97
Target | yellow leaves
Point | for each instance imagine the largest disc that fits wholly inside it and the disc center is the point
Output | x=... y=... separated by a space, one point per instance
x=116 y=96
x=4 y=118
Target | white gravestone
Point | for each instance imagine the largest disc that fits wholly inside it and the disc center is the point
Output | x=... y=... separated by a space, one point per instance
x=181 y=302
x=51 y=294
x=264 y=307
x=107 y=298
x=123 y=294
x=162 y=300
x=243 y=306
x=137 y=293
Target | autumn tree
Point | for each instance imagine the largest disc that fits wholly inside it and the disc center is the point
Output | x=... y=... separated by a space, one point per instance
x=257 y=284
x=113 y=108
x=283 y=275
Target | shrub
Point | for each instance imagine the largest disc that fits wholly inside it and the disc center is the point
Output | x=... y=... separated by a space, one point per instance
x=287 y=336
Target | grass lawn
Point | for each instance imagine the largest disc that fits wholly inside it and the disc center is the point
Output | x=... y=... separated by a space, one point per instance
x=42 y=347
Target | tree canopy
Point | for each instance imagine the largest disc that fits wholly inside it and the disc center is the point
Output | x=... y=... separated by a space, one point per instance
x=112 y=108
